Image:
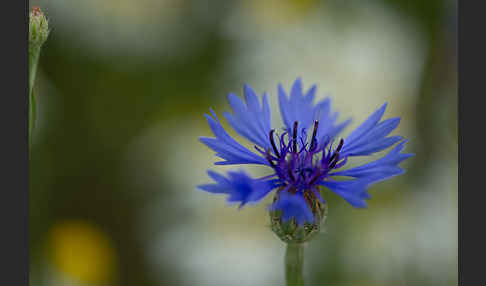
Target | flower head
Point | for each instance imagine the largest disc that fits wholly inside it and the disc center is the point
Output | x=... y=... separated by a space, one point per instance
x=304 y=157
x=38 y=28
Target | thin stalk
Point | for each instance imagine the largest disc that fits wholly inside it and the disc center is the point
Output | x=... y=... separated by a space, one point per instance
x=33 y=61
x=38 y=33
x=294 y=261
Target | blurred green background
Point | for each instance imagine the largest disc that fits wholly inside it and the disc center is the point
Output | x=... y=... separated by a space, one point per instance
x=122 y=87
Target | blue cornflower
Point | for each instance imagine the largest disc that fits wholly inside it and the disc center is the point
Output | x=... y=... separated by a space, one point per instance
x=301 y=161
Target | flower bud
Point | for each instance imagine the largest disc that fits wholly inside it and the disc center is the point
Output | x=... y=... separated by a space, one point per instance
x=38 y=28
x=290 y=231
x=38 y=32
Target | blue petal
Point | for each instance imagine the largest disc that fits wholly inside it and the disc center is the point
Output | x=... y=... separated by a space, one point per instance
x=327 y=121
x=369 y=123
x=293 y=206
x=251 y=121
x=226 y=147
x=322 y=112
x=337 y=128
x=370 y=136
x=353 y=191
x=299 y=107
x=377 y=145
x=240 y=187
x=381 y=169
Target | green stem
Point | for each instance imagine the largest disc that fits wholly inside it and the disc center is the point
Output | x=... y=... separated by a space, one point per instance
x=294 y=260
x=34 y=53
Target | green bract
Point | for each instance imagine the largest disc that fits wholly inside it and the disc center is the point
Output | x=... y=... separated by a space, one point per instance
x=38 y=28
x=291 y=232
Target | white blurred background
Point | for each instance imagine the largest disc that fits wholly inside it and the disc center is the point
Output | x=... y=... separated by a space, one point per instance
x=122 y=89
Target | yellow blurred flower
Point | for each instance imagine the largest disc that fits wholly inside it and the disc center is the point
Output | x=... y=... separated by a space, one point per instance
x=280 y=12
x=82 y=251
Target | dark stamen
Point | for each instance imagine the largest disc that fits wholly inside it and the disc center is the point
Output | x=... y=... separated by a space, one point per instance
x=333 y=163
x=332 y=157
x=335 y=155
x=259 y=149
x=318 y=174
x=294 y=139
x=314 y=133
x=269 y=158
x=291 y=175
x=341 y=142
x=272 y=141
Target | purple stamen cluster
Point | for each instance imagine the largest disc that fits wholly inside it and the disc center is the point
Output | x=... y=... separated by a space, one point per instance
x=299 y=165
